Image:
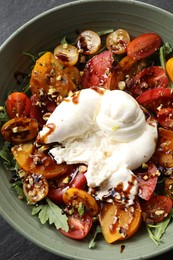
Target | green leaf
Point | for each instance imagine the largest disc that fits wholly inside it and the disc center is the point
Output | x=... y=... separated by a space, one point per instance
x=7 y=156
x=51 y=213
x=81 y=209
x=164 y=51
x=3 y=115
x=92 y=243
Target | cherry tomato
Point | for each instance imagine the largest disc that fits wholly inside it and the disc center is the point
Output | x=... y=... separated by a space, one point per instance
x=19 y=130
x=41 y=108
x=72 y=73
x=118 y=221
x=169 y=68
x=98 y=70
x=143 y=46
x=18 y=105
x=73 y=197
x=74 y=177
x=79 y=226
x=35 y=188
x=117 y=41
x=156 y=98
x=147 y=181
x=163 y=155
x=156 y=209
x=168 y=189
x=88 y=42
x=146 y=79
x=165 y=117
x=66 y=54
x=35 y=161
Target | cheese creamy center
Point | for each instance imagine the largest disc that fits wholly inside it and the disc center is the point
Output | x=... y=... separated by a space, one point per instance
x=106 y=130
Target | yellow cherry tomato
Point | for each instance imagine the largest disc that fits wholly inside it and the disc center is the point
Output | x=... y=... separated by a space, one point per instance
x=169 y=68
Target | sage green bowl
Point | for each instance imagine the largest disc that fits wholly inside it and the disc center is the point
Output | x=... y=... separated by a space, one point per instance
x=43 y=33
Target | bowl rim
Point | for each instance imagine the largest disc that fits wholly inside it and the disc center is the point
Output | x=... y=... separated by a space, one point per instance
x=3 y=213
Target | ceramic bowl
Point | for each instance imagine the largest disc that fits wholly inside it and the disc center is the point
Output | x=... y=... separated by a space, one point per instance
x=42 y=33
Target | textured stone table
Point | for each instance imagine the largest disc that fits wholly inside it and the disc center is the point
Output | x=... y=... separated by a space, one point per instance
x=13 y=14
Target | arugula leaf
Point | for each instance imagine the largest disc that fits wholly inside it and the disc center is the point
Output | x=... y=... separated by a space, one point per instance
x=156 y=231
x=3 y=115
x=52 y=213
x=6 y=155
x=92 y=243
x=164 y=51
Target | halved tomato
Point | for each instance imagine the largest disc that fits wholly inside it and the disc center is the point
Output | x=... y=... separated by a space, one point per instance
x=119 y=222
x=35 y=161
x=149 y=78
x=18 y=105
x=79 y=226
x=156 y=98
x=98 y=70
x=143 y=46
x=88 y=42
x=156 y=209
x=66 y=54
x=74 y=197
x=147 y=181
x=165 y=117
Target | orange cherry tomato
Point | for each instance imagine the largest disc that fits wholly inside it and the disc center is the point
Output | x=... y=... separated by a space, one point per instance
x=73 y=197
x=88 y=42
x=119 y=222
x=117 y=41
x=18 y=105
x=19 y=130
x=35 y=161
x=143 y=46
x=169 y=68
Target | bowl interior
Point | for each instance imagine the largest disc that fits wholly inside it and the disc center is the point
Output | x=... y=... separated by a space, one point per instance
x=43 y=33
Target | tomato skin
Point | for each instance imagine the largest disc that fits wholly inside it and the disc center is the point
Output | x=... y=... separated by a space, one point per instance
x=143 y=46
x=147 y=181
x=79 y=226
x=168 y=189
x=41 y=106
x=18 y=105
x=97 y=70
x=72 y=178
x=165 y=117
x=155 y=98
x=148 y=78
x=156 y=209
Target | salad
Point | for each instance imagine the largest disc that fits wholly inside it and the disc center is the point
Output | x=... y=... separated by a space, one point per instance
x=90 y=141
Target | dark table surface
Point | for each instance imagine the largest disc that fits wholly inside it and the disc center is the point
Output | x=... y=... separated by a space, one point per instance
x=13 y=14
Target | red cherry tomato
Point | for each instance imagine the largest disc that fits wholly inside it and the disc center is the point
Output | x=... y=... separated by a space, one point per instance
x=97 y=70
x=147 y=181
x=40 y=106
x=156 y=209
x=74 y=177
x=79 y=226
x=18 y=105
x=165 y=117
x=146 y=79
x=143 y=46
x=156 y=98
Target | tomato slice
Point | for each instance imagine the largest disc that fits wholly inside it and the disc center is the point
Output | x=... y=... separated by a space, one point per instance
x=118 y=221
x=35 y=188
x=148 y=78
x=88 y=42
x=143 y=46
x=18 y=105
x=19 y=130
x=41 y=108
x=73 y=197
x=97 y=70
x=169 y=68
x=165 y=117
x=147 y=181
x=35 y=161
x=66 y=54
x=117 y=41
x=74 y=177
x=79 y=226
x=168 y=189
x=156 y=209
x=156 y=98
